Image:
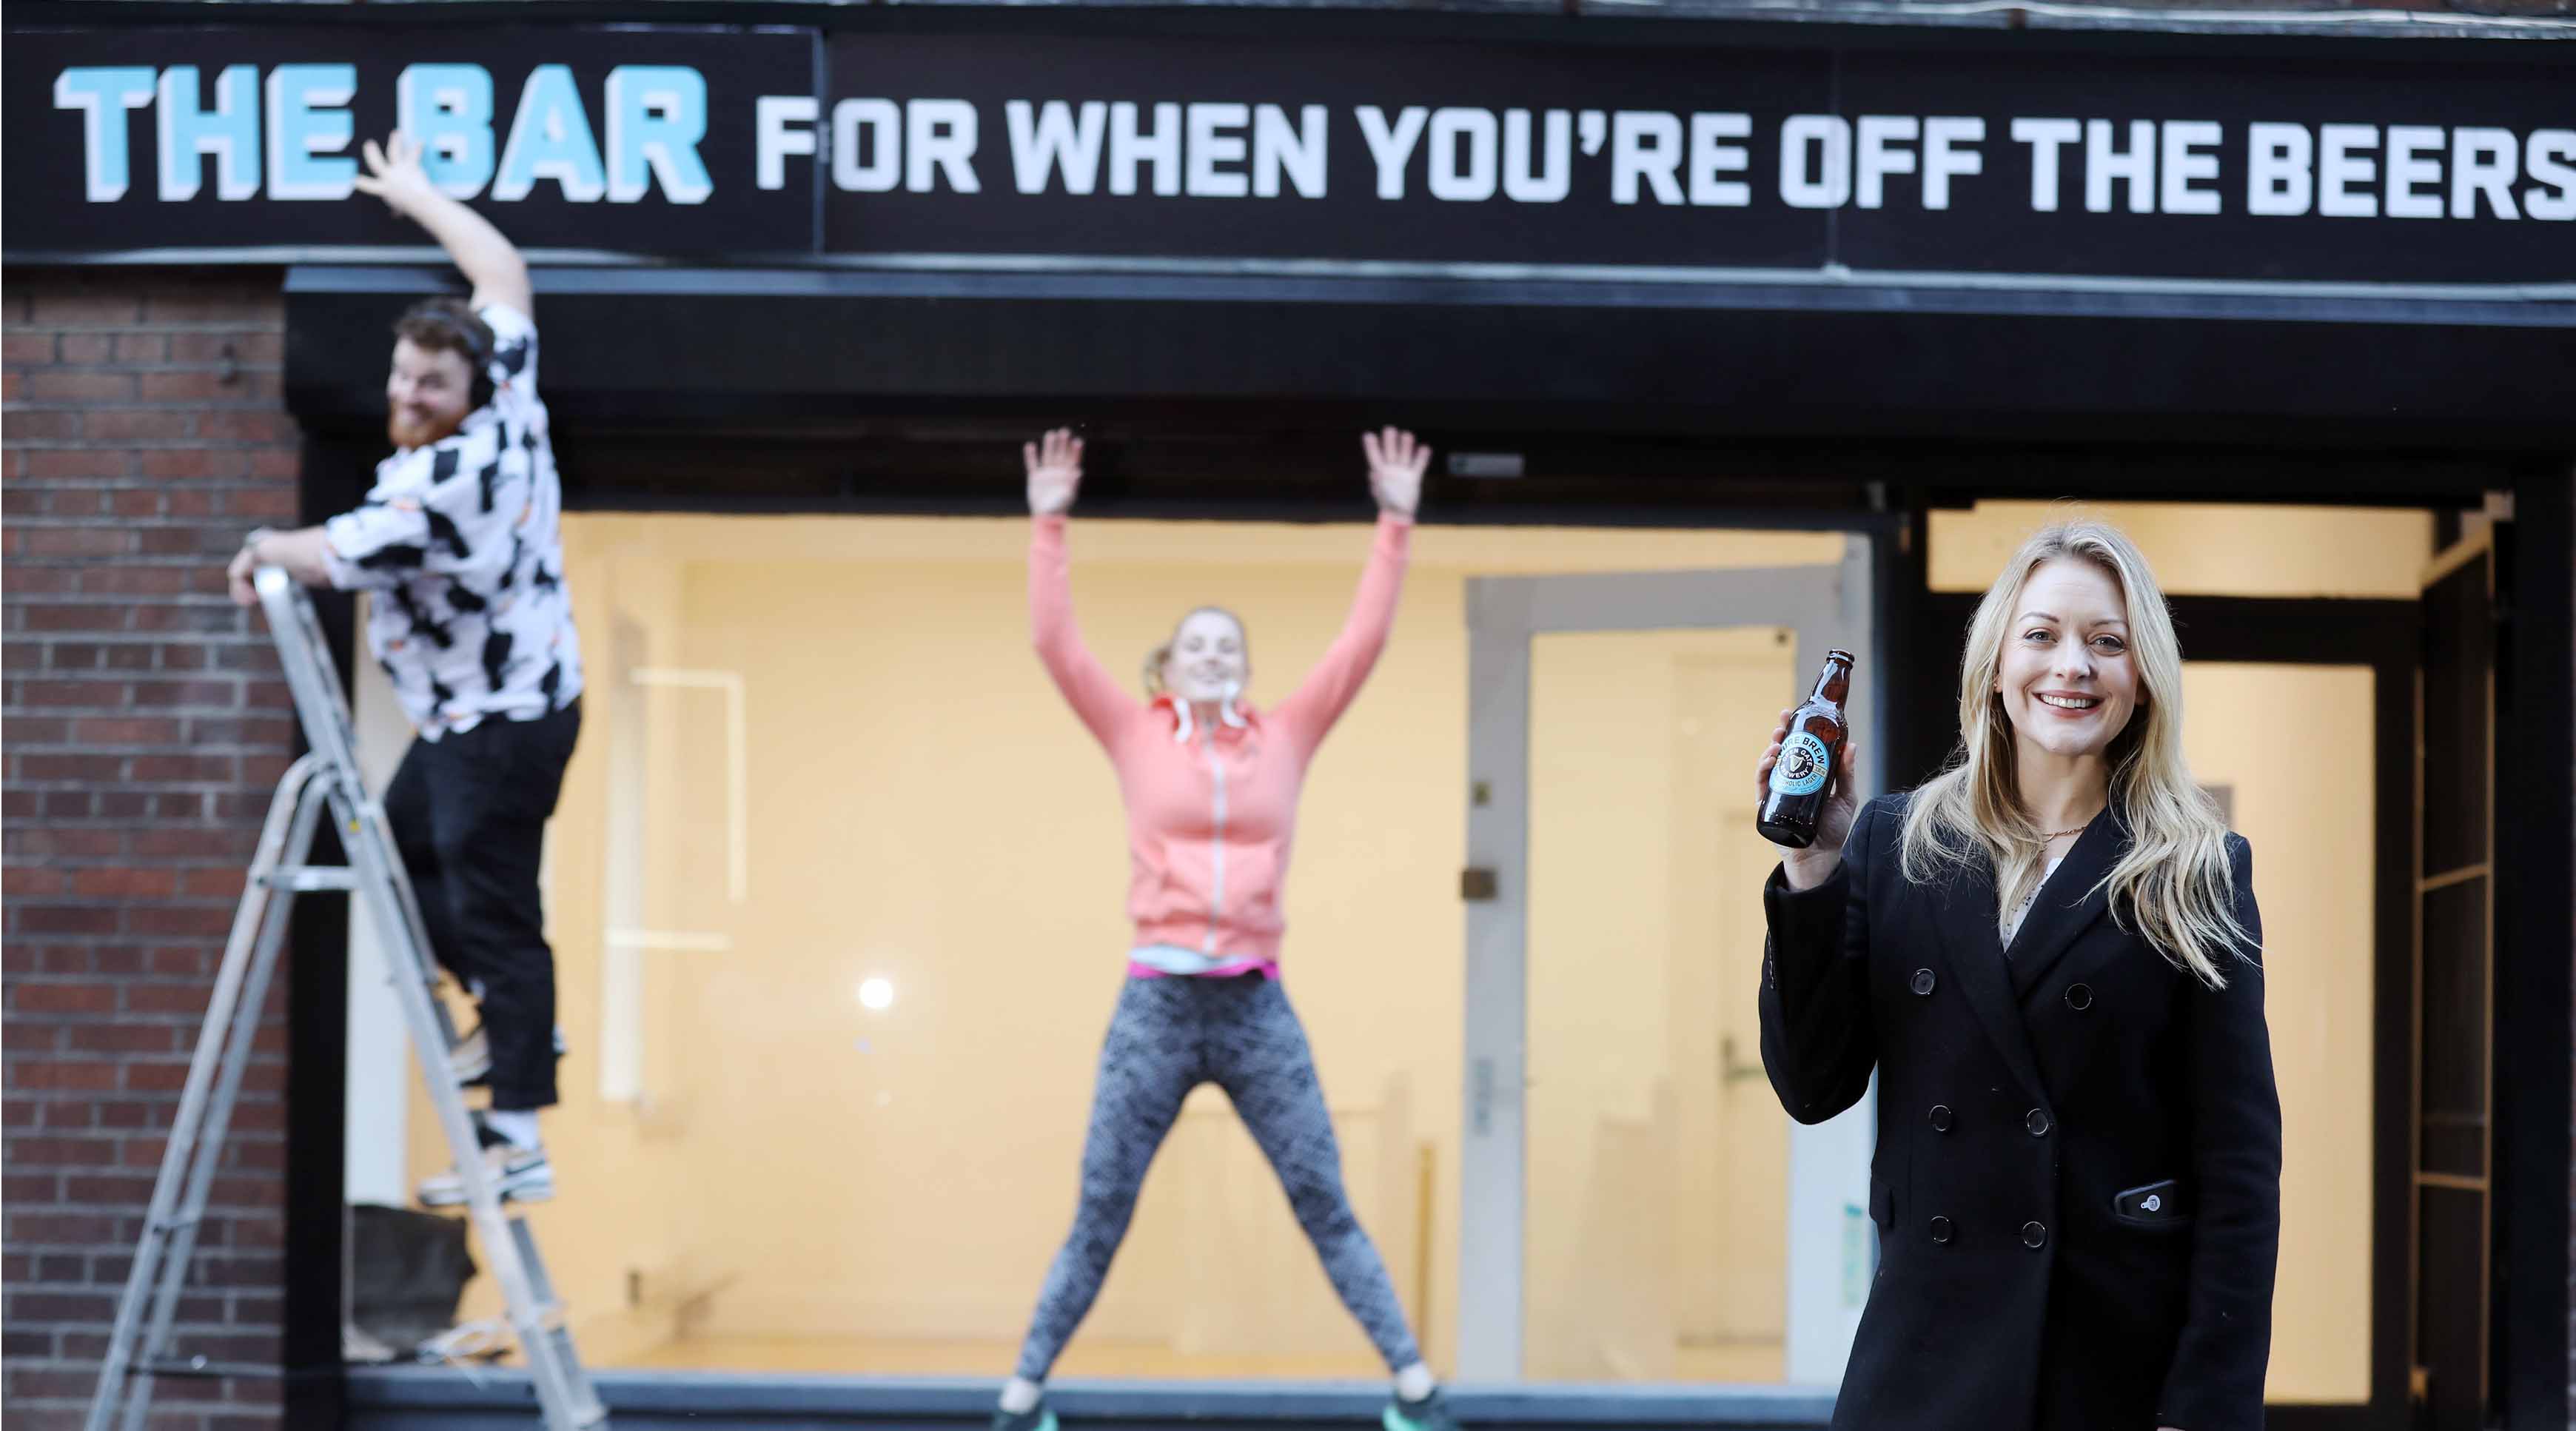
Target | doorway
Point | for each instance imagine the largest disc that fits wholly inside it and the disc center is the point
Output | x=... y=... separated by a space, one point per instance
x=1635 y=1205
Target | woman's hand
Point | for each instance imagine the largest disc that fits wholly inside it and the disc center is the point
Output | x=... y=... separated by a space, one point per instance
x=1815 y=864
x=1055 y=472
x=395 y=176
x=1396 y=464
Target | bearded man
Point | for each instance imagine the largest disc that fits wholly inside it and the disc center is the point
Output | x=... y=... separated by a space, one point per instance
x=458 y=545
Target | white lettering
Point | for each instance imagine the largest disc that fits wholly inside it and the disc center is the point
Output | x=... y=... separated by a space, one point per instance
x=2413 y=158
x=2183 y=163
x=1710 y=156
x=2546 y=158
x=2045 y=138
x=1555 y=179
x=939 y=135
x=771 y=116
x=1392 y=146
x=1828 y=185
x=1296 y=152
x=1471 y=131
x=1645 y=144
x=2278 y=177
x=1161 y=148
x=2340 y=165
x=883 y=169
x=1878 y=157
x=1944 y=160
x=1211 y=144
x=2483 y=161
x=2105 y=165
x=1055 y=140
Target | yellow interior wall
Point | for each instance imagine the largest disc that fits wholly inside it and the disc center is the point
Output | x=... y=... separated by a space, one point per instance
x=2206 y=548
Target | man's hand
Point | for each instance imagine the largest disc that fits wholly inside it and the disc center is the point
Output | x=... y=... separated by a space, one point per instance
x=305 y=553
x=495 y=269
x=237 y=576
x=395 y=176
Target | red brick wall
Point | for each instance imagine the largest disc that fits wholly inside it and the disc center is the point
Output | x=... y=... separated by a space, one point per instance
x=143 y=433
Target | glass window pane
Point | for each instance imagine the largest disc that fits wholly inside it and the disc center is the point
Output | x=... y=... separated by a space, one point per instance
x=2308 y=806
x=834 y=1124
x=2453 y=1015
x=1657 y=1152
x=2459 y=657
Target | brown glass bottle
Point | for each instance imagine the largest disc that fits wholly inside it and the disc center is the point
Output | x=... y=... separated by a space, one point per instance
x=1810 y=760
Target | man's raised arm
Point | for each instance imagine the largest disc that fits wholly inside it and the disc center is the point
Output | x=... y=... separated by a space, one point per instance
x=489 y=261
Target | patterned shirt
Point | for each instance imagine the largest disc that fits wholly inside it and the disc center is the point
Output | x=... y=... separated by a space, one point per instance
x=461 y=542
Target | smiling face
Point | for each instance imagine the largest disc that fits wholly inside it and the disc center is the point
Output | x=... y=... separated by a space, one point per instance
x=1208 y=659
x=428 y=394
x=2066 y=674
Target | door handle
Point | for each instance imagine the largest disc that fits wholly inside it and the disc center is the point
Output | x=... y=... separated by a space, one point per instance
x=1478 y=885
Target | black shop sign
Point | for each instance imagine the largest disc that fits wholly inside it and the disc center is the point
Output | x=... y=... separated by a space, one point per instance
x=796 y=146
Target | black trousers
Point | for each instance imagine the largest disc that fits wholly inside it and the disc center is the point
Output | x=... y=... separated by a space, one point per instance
x=469 y=813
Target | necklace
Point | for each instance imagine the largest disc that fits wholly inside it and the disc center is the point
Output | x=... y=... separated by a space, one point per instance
x=2062 y=834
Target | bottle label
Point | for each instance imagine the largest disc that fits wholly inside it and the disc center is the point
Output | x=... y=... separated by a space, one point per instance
x=1804 y=764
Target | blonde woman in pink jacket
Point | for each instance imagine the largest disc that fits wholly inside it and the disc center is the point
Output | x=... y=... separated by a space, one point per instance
x=1210 y=785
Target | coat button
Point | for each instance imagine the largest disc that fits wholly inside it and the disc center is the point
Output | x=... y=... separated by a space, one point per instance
x=1941 y=1229
x=1922 y=981
x=2034 y=1235
x=2078 y=997
x=2037 y=1123
x=1940 y=1118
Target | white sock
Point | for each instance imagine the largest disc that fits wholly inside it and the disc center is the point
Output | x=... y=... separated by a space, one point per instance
x=1414 y=1382
x=519 y=1125
x=1020 y=1394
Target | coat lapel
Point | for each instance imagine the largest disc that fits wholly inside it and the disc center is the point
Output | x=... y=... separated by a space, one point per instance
x=2068 y=903
x=1973 y=947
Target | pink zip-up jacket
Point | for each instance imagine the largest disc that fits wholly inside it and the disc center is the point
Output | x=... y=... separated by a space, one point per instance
x=1210 y=812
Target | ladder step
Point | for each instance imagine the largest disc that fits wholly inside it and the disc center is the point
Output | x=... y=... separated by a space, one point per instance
x=309 y=879
x=544 y=1317
x=199 y=1366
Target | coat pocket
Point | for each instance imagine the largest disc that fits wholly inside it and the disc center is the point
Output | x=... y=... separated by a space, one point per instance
x=1882 y=1206
x=2153 y=1206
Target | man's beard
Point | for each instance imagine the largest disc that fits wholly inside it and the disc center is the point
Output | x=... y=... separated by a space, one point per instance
x=407 y=434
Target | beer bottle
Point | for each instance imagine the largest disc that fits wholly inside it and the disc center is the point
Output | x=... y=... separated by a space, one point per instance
x=1803 y=779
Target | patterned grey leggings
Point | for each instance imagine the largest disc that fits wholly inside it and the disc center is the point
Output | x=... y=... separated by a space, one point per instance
x=1169 y=1036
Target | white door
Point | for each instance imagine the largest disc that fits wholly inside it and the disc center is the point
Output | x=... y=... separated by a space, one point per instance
x=1635 y=1206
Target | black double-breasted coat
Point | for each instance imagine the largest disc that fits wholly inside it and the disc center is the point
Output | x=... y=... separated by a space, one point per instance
x=2077 y=1180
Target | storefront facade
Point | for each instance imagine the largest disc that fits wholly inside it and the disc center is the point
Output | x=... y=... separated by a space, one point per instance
x=1738 y=340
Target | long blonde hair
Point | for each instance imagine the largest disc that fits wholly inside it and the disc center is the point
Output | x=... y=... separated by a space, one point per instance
x=2175 y=879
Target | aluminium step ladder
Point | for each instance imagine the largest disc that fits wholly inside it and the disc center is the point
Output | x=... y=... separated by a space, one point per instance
x=326 y=779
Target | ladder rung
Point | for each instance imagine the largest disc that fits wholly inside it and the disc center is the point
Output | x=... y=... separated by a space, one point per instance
x=308 y=879
x=544 y=1317
x=199 y=1366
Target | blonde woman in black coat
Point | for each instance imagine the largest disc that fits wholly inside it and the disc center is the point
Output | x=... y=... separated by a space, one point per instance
x=2050 y=956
